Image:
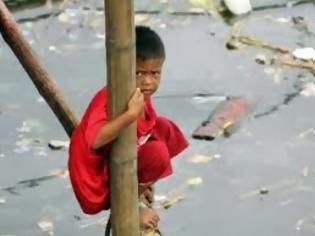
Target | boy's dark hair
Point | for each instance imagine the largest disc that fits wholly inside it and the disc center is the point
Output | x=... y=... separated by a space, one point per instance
x=148 y=44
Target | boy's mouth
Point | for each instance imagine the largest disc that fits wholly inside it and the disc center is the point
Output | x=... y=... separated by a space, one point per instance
x=146 y=91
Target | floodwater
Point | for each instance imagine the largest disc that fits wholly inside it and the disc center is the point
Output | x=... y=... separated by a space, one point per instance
x=272 y=150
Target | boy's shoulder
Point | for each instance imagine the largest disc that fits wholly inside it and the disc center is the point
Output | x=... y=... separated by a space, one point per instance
x=99 y=98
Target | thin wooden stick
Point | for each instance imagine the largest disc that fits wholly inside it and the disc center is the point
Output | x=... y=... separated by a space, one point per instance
x=36 y=71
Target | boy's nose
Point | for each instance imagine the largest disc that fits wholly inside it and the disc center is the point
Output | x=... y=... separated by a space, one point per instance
x=147 y=79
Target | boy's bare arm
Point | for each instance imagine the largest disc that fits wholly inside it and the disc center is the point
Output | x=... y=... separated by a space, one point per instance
x=112 y=128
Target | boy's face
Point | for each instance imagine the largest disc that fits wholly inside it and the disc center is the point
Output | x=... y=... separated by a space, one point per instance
x=148 y=75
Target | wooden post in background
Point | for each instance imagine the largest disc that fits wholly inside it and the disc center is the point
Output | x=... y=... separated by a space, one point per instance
x=120 y=52
x=36 y=71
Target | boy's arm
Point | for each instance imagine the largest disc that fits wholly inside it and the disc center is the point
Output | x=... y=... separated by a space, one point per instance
x=112 y=128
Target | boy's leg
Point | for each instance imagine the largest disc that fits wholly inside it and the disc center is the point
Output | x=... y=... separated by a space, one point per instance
x=147 y=216
x=149 y=194
x=153 y=163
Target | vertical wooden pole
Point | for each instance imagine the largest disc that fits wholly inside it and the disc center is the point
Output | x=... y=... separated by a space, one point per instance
x=120 y=52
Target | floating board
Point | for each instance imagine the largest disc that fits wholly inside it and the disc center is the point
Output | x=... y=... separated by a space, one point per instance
x=224 y=119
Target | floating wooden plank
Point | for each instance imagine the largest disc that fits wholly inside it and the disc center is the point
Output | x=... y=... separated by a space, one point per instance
x=224 y=119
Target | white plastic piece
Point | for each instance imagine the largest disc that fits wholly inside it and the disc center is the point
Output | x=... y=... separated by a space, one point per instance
x=304 y=53
x=238 y=7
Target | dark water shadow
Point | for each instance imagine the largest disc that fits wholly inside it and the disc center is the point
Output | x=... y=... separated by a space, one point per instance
x=286 y=101
x=27 y=184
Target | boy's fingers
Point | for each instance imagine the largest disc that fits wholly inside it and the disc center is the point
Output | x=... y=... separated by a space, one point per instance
x=153 y=223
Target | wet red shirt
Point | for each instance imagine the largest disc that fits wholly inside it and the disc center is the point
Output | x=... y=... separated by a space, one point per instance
x=89 y=169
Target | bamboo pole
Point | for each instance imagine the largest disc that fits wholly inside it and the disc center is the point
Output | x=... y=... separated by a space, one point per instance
x=120 y=52
x=36 y=71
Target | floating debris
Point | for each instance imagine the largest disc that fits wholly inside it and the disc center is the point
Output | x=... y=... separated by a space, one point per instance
x=294 y=184
x=261 y=59
x=46 y=226
x=170 y=202
x=307 y=53
x=233 y=43
x=206 y=5
x=256 y=42
x=263 y=191
x=306 y=133
x=2 y=155
x=200 y=159
x=238 y=7
x=58 y=145
x=269 y=70
x=288 y=60
x=283 y=20
x=305 y=171
x=26 y=145
x=40 y=151
x=200 y=99
x=60 y=173
x=22 y=149
x=159 y=198
x=286 y=202
x=100 y=36
x=306 y=225
x=3 y=200
x=194 y=181
x=309 y=90
x=141 y=18
x=40 y=100
x=224 y=119
x=25 y=128
x=76 y=217
x=92 y=221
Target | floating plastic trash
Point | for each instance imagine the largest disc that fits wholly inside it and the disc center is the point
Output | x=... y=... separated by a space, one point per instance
x=307 y=53
x=238 y=7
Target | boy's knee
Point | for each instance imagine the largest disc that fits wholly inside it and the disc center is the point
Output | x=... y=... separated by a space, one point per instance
x=153 y=160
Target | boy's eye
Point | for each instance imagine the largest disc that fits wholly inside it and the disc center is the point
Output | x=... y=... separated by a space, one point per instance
x=139 y=73
x=156 y=73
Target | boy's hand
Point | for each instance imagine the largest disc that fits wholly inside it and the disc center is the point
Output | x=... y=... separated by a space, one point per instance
x=136 y=104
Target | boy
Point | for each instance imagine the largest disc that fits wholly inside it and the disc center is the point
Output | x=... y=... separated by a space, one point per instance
x=159 y=139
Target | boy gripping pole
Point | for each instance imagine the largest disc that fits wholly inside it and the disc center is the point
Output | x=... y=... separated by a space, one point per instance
x=158 y=138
